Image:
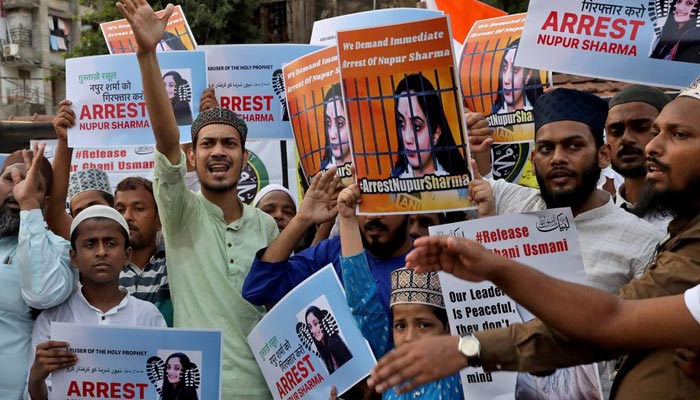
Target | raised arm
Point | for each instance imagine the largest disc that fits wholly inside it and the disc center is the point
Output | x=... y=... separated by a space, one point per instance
x=149 y=29
x=317 y=207
x=55 y=213
x=575 y=310
x=360 y=286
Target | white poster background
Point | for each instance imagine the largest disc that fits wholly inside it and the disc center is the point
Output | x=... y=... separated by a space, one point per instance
x=473 y=307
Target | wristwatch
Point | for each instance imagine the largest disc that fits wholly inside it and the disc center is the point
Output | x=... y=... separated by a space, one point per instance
x=470 y=347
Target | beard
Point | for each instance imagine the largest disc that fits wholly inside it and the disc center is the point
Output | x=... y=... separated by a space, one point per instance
x=575 y=197
x=629 y=172
x=388 y=248
x=9 y=222
x=658 y=204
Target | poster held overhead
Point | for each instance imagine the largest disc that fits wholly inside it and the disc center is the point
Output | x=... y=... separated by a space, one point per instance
x=404 y=108
x=492 y=84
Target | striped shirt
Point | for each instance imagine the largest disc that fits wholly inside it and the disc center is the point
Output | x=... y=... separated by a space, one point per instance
x=149 y=284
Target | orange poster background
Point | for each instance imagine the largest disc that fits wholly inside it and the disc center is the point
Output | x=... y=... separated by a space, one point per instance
x=480 y=65
x=370 y=104
x=306 y=109
x=120 y=37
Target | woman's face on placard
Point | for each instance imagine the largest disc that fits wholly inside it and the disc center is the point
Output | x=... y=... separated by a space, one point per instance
x=170 y=86
x=684 y=10
x=314 y=326
x=337 y=128
x=174 y=370
x=415 y=132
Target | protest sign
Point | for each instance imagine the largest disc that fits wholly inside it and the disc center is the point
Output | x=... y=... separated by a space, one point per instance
x=269 y=161
x=107 y=97
x=494 y=86
x=653 y=43
x=324 y=31
x=248 y=80
x=404 y=108
x=178 y=36
x=131 y=363
x=545 y=240
x=317 y=113
x=310 y=341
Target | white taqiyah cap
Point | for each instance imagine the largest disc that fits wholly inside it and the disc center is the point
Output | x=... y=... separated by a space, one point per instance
x=693 y=90
x=99 y=211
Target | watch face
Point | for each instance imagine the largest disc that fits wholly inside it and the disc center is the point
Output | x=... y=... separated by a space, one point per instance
x=469 y=346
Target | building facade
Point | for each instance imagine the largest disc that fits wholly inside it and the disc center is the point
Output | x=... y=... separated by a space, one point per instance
x=33 y=36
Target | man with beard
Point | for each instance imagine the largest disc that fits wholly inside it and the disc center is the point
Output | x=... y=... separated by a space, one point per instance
x=567 y=160
x=628 y=127
x=211 y=236
x=35 y=269
x=146 y=276
x=645 y=374
x=274 y=272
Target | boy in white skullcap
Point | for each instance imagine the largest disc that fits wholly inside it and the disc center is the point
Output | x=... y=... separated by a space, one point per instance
x=100 y=250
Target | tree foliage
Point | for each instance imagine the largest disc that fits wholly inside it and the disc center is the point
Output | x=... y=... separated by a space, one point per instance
x=509 y=6
x=211 y=21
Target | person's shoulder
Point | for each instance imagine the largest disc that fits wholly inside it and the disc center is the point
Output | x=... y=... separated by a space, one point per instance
x=256 y=215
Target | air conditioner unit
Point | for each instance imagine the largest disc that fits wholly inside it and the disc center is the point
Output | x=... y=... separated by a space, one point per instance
x=10 y=50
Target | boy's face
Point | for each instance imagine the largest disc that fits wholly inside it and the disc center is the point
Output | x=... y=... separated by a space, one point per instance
x=100 y=253
x=413 y=322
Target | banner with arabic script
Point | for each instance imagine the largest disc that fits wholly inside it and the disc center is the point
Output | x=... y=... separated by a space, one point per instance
x=545 y=240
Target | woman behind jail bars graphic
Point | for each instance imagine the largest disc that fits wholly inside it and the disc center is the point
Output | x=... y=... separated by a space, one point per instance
x=180 y=95
x=518 y=87
x=426 y=144
x=336 y=129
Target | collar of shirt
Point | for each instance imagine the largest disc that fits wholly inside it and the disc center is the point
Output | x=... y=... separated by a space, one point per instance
x=218 y=212
x=598 y=212
x=109 y=312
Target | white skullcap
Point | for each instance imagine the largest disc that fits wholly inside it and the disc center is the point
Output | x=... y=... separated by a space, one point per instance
x=99 y=211
x=273 y=187
x=693 y=90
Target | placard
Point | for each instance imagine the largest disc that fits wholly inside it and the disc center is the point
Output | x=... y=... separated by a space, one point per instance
x=117 y=362
x=310 y=341
x=107 y=95
x=655 y=42
x=248 y=79
x=545 y=240
x=404 y=108
x=492 y=84
x=178 y=36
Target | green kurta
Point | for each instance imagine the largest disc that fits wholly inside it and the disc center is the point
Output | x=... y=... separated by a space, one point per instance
x=208 y=261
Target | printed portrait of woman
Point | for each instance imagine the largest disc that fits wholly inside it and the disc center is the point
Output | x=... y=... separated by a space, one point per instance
x=426 y=144
x=178 y=382
x=679 y=39
x=180 y=95
x=518 y=87
x=336 y=129
x=170 y=42
x=325 y=335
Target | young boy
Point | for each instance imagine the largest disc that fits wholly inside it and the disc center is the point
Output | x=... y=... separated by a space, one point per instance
x=100 y=249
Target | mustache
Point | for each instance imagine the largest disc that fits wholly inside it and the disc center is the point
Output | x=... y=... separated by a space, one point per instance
x=558 y=172
x=656 y=161
x=375 y=224
x=627 y=150
x=8 y=200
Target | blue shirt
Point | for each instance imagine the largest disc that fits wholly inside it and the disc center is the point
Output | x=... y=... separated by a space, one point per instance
x=376 y=325
x=267 y=282
x=35 y=271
